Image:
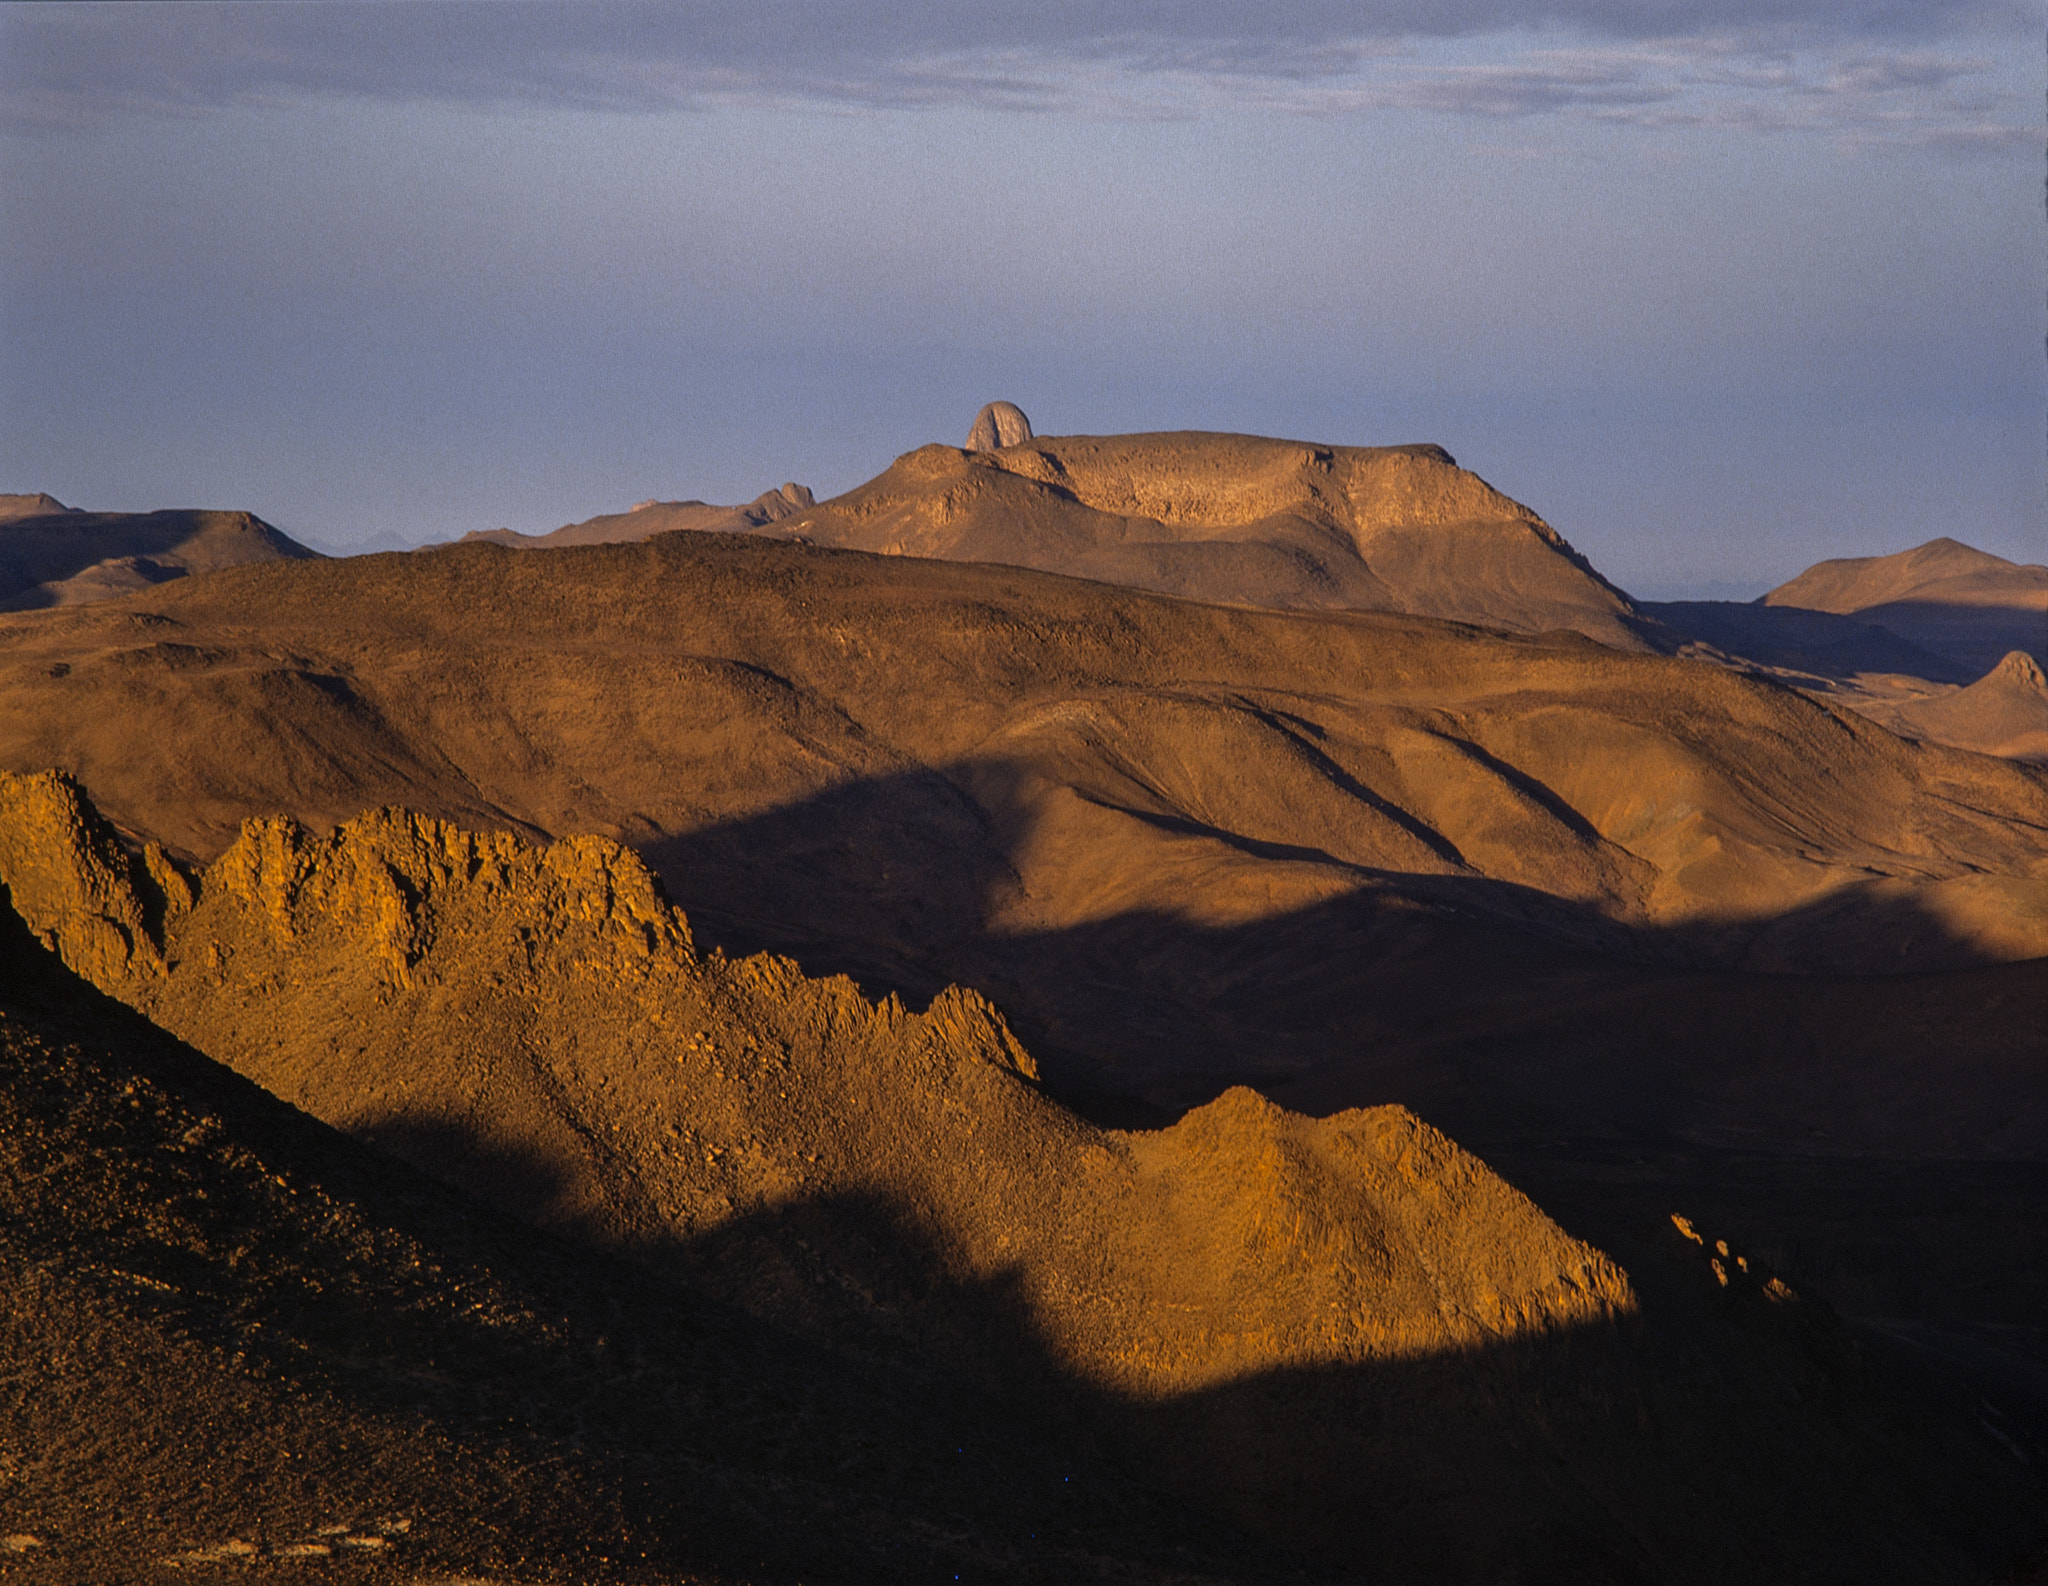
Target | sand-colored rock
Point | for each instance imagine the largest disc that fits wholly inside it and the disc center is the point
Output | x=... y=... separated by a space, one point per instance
x=1182 y=846
x=662 y=1096
x=65 y=872
x=1089 y=751
x=1304 y=1337
x=801 y=1260
x=233 y=1340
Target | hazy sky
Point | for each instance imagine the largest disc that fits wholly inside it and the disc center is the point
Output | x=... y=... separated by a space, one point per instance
x=1719 y=287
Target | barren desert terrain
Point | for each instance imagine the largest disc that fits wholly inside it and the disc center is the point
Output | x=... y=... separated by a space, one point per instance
x=1169 y=1007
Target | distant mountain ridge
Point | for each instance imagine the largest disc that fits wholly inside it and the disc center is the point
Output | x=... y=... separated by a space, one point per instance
x=1237 y=519
x=1896 y=637
x=1251 y=521
x=33 y=504
x=649 y=518
x=54 y=555
x=1945 y=596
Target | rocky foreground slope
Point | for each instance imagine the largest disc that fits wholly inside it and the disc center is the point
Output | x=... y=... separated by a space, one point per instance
x=236 y=1345
x=1345 y=1338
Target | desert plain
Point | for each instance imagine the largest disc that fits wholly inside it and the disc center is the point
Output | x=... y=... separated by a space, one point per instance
x=1167 y=1008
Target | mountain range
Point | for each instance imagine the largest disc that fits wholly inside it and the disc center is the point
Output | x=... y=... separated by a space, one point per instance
x=1164 y=1007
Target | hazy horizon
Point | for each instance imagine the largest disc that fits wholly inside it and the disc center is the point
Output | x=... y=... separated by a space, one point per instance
x=1719 y=293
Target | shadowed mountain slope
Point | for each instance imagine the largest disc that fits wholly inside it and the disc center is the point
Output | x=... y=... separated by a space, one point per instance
x=656 y=517
x=1960 y=609
x=1235 y=518
x=53 y=555
x=1346 y=1336
x=1813 y=647
x=1947 y=597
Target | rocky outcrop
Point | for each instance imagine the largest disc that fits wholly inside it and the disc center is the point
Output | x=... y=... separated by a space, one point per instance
x=532 y=1022
x=998 y=425
x=1320 y=1338
x=77 y=888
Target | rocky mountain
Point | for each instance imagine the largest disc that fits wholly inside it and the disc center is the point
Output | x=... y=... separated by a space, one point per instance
x=1961 y=603
x=54 y=555
x=2005 y=712
x=728 y=1058
x=232 y=1341
x=1234 y=518
x=927 y=772
x=998 y=424
x=1065 y=750
x=658 y=517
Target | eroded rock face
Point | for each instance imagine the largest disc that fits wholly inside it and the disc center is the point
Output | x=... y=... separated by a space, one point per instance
x=998 y=425
x=76 y=886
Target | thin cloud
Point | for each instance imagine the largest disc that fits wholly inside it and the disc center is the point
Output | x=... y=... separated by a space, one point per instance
x=1532 y=88
x=1857 y=96
x=1653 y=62
x=1909 y=73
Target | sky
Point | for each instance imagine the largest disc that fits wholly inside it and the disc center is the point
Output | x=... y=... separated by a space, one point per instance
x=1719 y=287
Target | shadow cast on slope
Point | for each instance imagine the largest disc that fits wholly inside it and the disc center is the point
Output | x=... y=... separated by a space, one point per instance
x=1467 y=987
x=1881 y=1135
x=541 y=1406
x=817 y=1391
x=1818 y=643
x=1976 y=637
